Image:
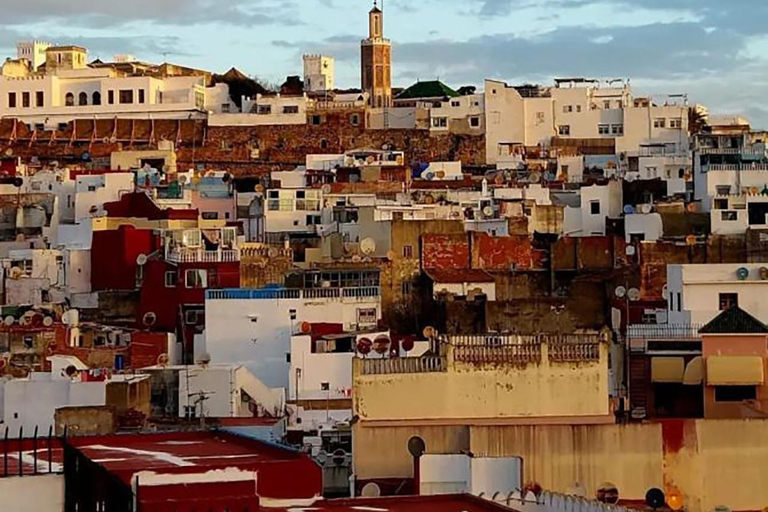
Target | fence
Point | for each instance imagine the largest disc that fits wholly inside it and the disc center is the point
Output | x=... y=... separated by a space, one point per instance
x=523 y=350
x=403 y=365
x=30 y=456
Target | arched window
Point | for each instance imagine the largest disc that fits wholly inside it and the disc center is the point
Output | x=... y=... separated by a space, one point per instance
x=96 y=98
x=69 y=99
x=83 y=100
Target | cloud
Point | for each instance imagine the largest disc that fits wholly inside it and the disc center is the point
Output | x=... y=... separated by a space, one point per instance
x=112 y=13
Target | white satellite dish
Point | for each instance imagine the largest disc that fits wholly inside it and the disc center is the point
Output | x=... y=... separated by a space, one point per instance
x=630 y=250
x=141 y=260
x=535 y=177
x=665 y=292
x=629 y=177
x=9 y=321
x=620 y=292
x=371 y=490
x=71 y=317
x=633 y=294
x=182 y=179
x=326 y=189
x=368 y=246
x=488 y=211
x=646 y=209
x=47 y=321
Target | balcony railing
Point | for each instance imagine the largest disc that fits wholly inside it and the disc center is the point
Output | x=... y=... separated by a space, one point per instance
x=368 y=292
x=201 y=256
x=523 y=350
x=430 y=364
x=663 y=332
x=737 y=167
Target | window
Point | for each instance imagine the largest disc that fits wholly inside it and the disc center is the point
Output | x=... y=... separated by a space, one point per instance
x=455 y=103
x=111 y=97
x=171 y=278
x=26 y=100
x=192 y=317
x=567 y=109
x=729 y=216
x=196 y=279
x=126 y=96
x=649 y=317
x=735 y=393
x=578 y=108
x=676 y=124
x=11 y=100
x=407 y=288
x=366 y=316
x=291 y=109
x=659 y=122
x=728 y=301
x=210 y=215
x=323 y=144
x=439 y=122
x=540 y=117
x=263 y=110
x=564 y=129
x=142 y=99
x=314 y=220
x=91 y=188
x=721 y=204
x=594 y=207
x=40 y=98
x=607 y=105
x=225 y=108
x=474 y=122
x=354 y=119
x=325 y=386
x=617 y=129
x=82 y=99
x=226 y=145
x=723 y=190
x=679 y=302
x=407 y=251
x=96 y=98
x=604 y=129
x=316 y=120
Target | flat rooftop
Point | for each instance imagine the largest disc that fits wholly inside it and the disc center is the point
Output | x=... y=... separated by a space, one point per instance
x=437 y=503
x=186 y=451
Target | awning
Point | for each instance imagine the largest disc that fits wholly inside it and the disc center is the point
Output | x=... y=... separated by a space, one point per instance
x=735 y=371
x=694 y=372
x=667 y=370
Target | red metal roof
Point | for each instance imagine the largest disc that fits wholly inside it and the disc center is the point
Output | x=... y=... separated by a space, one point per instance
x=440 y=275
x=437 y=503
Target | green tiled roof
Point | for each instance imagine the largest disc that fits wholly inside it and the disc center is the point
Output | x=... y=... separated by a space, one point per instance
x=734 y=321
x=431 y=89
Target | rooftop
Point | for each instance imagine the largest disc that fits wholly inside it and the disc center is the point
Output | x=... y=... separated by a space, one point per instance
x=430 y=89
x=734 y=321
x=441 y=503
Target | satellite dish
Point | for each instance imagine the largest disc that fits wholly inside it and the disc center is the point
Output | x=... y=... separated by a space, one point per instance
x=429 y=175
x=45 y=285
x=182 y=179
x=9 y=152
x=149 y=319
x=655 y=498
x=620 y=292
x=633 y=294
x=690 y=240
x=306 y=327
x=20 y=237
x=18 y=182
x=675 y=500
x=368 y=246
x=391 y=255
x=356 y=258
x=364 y=346
x=105 y=140
x=608 y=493
x=665 y=292
x=488 y=211
x=204 y=359
x=416 y=446
x=535 y=177
x=326 y=189
x=70 y=371
x=646 y=209
x=48 y=321
x=9 y=321
x=381 y=344
x=226 y=178
x=371 y=490
x=764 y=273
x=742 y=274
x=112 y=140
x=429 y=332
x=407 y=344
x=259 y=189
x=338 y=457
x=70 y=317
x=141 y=260
x=85 y=157
x=629 y=178
x=629 y=209
x=630 y=250
x=162 y=359
x=16 y=272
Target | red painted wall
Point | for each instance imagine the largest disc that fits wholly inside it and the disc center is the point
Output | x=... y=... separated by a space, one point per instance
x=445 y=252
x=113 y=256
x=499 y=253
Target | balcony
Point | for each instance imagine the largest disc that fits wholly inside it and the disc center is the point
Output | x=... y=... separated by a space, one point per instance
x=344 y=294
x=737 y=167
x=202 y=256
x=668 y=339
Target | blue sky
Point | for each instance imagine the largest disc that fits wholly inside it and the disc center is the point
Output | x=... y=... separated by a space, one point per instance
x=714 y=50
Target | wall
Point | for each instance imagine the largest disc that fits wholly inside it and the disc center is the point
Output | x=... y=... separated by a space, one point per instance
x=107 y=188
x=33 y=493
x=504 y=119
x=466 y=392
x=222 y=397
x=650 y=226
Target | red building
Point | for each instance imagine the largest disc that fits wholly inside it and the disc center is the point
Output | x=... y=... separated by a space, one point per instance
x=184 y=472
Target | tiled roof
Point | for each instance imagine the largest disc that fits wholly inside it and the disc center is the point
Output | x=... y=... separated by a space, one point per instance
x=734 y=321
x=431 y=89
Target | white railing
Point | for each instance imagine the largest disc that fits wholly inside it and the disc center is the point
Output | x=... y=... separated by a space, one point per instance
x=368 y=292
x=201 y=256
x=737 y=167
x=430 y=364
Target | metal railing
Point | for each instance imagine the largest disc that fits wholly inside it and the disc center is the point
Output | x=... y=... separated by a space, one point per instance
x=194 y=256
x=429 y=364
x=367 y=292
x=737 y=167
x=664 y=332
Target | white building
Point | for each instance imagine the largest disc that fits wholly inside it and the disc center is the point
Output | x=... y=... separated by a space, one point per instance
x=69 y=88
x=698 y=293
x=319 y=72
x=92 y=191
x=598 y=203
x=254 y=327
x=32 y=51
x=265 y=110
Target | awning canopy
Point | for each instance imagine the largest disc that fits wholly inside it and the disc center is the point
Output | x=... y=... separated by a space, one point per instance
x=668 y=370
x=735 y=371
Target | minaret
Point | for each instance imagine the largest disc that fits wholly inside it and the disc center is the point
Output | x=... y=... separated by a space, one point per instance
x=376 y=61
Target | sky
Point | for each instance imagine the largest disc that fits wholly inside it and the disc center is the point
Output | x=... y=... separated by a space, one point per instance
x=716 y=51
